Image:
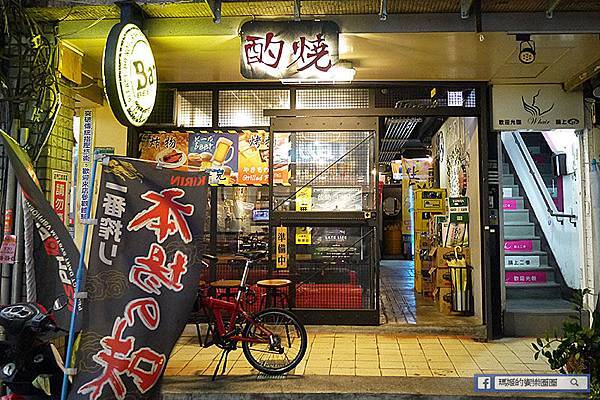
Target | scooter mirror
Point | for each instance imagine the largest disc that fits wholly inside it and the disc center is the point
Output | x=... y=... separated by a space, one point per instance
x=60 y=303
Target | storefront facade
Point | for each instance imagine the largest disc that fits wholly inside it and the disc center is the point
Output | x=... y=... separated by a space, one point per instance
x=319 y=211
x=300 y=166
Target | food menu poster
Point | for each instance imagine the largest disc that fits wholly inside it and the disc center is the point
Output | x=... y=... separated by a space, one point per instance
x=216 y=153
x=230 y=158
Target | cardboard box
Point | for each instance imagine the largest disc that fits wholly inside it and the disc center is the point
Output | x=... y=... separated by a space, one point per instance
x=441 y=262
x=428 y=288
x=443 y=299
x=442 y=277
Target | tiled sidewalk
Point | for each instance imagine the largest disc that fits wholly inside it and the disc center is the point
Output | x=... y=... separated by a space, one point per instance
x=377 y=355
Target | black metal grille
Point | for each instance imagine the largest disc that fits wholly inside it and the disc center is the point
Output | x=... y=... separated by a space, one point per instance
x=332 y=98
x=194 y=108
x=332 y=158
x=425 y=97
x=164 y=108
x=244 y=108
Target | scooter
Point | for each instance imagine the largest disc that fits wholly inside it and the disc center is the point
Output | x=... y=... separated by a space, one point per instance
x=30 y=366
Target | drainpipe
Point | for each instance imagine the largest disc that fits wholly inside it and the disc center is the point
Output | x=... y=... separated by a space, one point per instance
x=11 y=194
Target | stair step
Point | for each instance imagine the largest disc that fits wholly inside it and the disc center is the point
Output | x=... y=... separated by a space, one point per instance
x=546 y=290
x=521 y=243
x=541 y=274
x=520 y=268
x=519 y=229
x=531 y=260
x=516 y=215
x=539 y=306
x=511 y=191
x=534 y=150
x=513 y=203
x=508 y=179
x=535 y=317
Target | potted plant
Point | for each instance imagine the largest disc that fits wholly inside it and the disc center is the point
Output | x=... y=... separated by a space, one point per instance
x=577 y=348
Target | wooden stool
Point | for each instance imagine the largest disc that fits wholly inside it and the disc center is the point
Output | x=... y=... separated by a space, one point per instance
x=272 y=292
x=226 y=284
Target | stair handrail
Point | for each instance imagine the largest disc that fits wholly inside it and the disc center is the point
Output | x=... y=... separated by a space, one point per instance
x=550 y=206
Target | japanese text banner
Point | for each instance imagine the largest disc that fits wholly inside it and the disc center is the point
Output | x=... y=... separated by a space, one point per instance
x=142 y=279
x=55 y=254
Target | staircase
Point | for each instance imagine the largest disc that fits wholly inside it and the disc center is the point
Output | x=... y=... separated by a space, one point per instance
x=542 y=156
x=533 y=293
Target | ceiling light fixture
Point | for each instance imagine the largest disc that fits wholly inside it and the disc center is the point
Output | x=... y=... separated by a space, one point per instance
x=526 y=49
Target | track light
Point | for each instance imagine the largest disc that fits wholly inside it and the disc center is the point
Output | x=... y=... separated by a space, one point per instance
x=526 y=49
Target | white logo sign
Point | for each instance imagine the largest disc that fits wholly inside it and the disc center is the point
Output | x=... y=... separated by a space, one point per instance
x=129 y=74
x=536 y=107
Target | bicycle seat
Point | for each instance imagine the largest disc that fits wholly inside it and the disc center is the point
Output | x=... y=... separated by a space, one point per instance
x=253 y=255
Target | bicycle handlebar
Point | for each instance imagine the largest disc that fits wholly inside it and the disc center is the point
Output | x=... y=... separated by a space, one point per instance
x=209 y=257
x=253 y=255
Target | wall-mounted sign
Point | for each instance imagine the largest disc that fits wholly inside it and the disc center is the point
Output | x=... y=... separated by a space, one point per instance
x=8 y=249
x=59 y=194
x=522 y=261
x=458 y=209
x=86 y=157
x=526 y=277
x=536 y=107
x=129 y=74
x=289 y=49
x=303 y=235
x=304 y=199
x=281 y=250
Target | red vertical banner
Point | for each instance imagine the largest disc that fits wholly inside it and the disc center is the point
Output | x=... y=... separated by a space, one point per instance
x=59 y=194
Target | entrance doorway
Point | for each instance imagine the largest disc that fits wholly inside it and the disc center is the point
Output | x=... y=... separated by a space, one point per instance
x=542 y=203
x=427 y=267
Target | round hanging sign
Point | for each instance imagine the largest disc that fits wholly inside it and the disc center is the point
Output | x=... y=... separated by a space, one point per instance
x=129 y=74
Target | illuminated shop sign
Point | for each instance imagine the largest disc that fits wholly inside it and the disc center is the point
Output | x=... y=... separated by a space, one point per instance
x=129 y=74
x=536 y=107
x=288 y=49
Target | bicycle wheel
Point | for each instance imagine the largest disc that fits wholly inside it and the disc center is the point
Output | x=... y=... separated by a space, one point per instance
x=286 y=338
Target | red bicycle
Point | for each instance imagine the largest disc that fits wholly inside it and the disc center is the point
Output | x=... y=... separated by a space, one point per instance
x=273 y=340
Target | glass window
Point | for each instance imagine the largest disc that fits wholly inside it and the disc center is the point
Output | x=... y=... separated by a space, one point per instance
x=332 y=98
x=242 y=218
x=244 y=108
x=331 y=267
x=194 y=108
x=329 y=171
